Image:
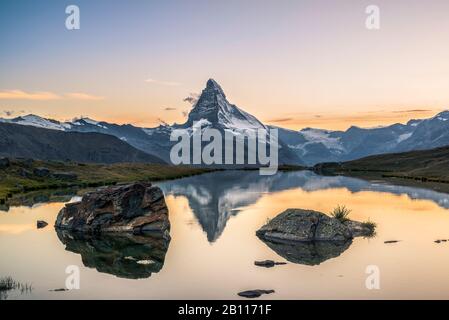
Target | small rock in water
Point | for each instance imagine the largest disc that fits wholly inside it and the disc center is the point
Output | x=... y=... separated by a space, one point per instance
x=59 y=290
x=268 y=263
x=41 y=224
x=392 y=241
x=254 y=293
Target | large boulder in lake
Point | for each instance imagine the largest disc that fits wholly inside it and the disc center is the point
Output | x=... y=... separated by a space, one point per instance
x=135 y=208
x=309 y=237
x=307 y=225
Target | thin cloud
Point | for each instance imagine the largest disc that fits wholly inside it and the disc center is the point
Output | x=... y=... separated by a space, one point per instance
x=281 y=120
x=169 y=109
x=22 y=95
x=162 y=83
x=45 y=95
x=412 y=111
x=83 y=96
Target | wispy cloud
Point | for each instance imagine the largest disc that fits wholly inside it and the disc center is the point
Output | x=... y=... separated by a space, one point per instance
x=281 y=120
x=22 y=95
x=192 y=98
x=169 y=109
x=412 y=111
x=162 y=83
x=45 y=95
x=83 y=96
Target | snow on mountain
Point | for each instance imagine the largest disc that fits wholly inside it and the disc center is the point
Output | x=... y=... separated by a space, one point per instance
x=322 y=136
x=36 y=121
x=213 y=106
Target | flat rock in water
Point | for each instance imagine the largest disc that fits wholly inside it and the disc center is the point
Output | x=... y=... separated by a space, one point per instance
x=254 y=293
x=296 y=225
x=136 y=208
x=391 y=241
x=59 y=290
x=268 y=263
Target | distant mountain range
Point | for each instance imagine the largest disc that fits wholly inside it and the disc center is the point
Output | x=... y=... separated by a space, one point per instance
x=307 y=146
x=21 y=141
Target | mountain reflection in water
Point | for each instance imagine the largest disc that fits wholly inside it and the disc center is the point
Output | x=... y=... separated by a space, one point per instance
x=123 y=255
x=215 y=197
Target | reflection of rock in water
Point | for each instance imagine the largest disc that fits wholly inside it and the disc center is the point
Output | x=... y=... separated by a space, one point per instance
x=123 y=255
x=310 y=253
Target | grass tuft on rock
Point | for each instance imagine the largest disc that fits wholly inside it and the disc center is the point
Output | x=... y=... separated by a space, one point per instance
x=341 y=213
x=371 y=226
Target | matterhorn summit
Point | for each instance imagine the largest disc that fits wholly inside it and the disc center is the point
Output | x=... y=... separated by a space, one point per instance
x=213 y=106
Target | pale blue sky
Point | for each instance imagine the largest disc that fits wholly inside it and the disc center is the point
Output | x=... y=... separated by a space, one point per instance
x=287 y=62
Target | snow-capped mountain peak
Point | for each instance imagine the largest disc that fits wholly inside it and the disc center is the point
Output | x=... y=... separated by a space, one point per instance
x=213 y=85
x=213 y=106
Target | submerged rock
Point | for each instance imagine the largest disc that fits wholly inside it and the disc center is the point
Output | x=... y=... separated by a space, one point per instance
x=308 y=225
x=268 y=263
x=254 y=293
x=41 y=224
x=135 y=208
x=123 y=255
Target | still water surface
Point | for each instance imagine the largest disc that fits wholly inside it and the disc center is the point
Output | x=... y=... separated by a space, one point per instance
x=213 y=247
